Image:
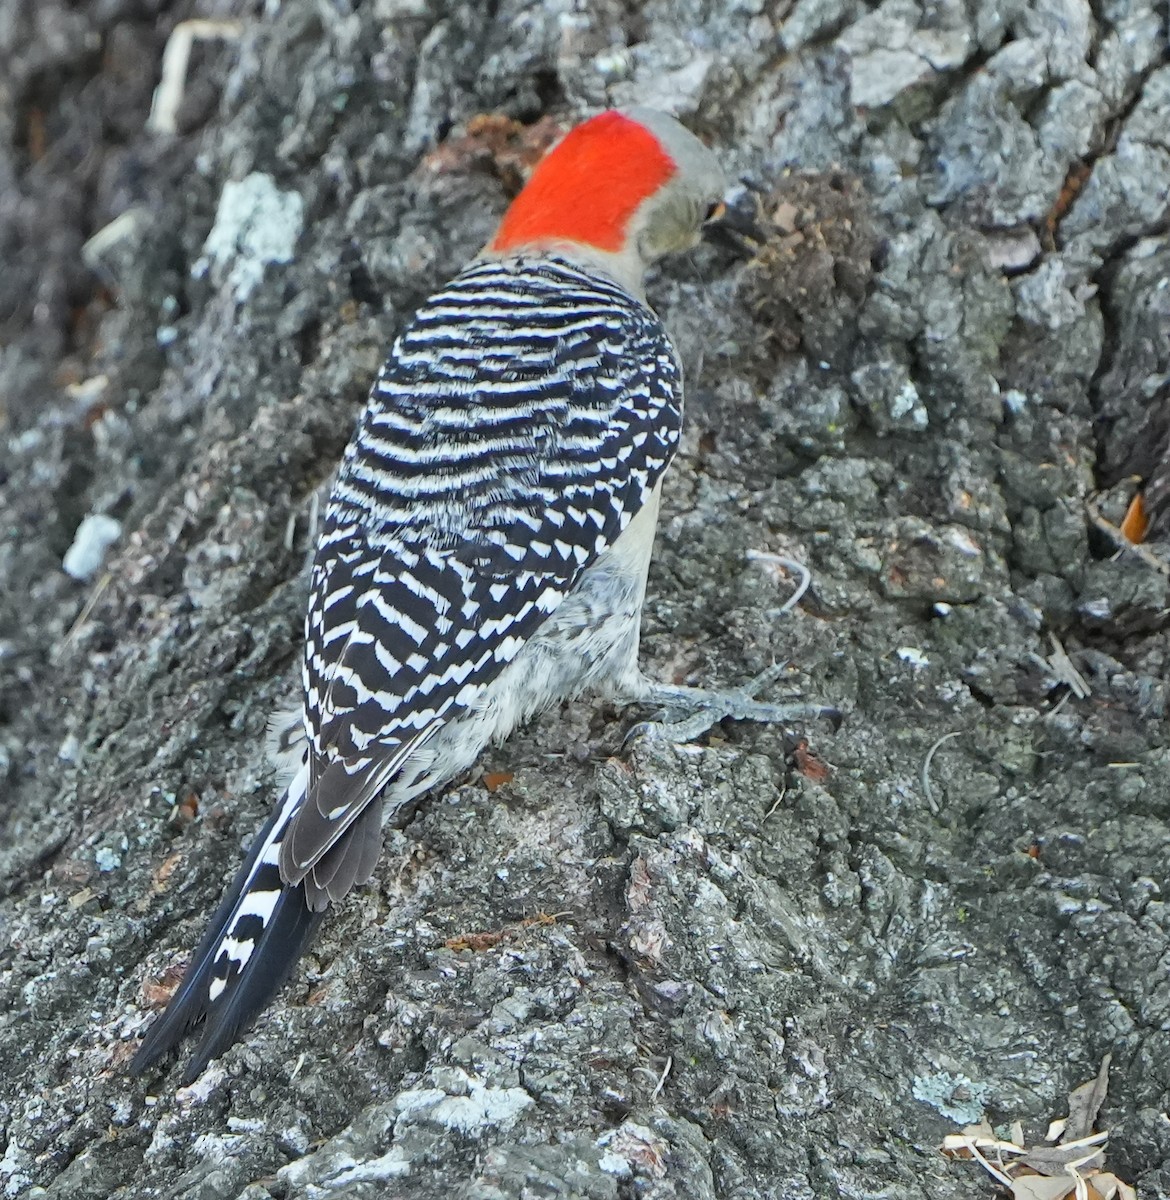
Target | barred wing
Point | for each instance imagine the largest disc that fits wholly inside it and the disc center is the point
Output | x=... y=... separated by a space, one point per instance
x=520 y=423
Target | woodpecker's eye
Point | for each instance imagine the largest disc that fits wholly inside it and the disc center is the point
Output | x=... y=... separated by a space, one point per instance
x=714 y=212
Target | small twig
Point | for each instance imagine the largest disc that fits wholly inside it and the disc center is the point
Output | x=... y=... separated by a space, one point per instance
x=790 y=565
x=926 y=788
x=87 y=608
x=124 y=225
x=779 y=801
x=1065 y=672
x=168 y=96
x=662 y=1079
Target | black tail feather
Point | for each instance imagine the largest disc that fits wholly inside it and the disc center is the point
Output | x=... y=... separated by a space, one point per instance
x=286 y=937
x=244 y=956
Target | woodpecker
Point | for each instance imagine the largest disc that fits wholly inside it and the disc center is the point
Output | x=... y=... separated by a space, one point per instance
x=484 y=551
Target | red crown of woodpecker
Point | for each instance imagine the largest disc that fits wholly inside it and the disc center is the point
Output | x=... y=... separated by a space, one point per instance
x=586 y=189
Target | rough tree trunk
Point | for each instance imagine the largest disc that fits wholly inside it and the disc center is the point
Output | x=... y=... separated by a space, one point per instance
x=774 y=964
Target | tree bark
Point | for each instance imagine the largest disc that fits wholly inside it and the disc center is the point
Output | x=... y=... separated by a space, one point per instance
x=778 y=963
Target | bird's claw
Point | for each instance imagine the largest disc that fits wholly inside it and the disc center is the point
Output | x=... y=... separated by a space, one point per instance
x=702 y=709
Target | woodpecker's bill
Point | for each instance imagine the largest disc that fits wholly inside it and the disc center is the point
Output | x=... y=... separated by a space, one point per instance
x=484 y=551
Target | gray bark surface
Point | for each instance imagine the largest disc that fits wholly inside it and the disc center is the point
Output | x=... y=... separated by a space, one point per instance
x=778 y=963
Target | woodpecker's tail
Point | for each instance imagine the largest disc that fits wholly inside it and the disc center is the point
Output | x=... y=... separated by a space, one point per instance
x=256 y=936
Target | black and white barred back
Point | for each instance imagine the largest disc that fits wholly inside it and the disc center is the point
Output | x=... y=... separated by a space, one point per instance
x=522 y=420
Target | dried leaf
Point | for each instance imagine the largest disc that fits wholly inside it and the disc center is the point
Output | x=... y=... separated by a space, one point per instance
x=162 y=875
x=1056 y=1130
x=184 y=812
x=156 y=995
x=955 y=1145
x=640 y=890
x=541 y=918
x=476 y=941
x=983 y=1136
x=1081 y=1145
x=1037 y=1187
x=494 y=780
x=1084 y=1103
x=507 y=148
x=1109 y=1187
x=158 y=992
x=785 y=218
x=980 y=1132
x=1072 y=1169
x=808 y=764
x=1135 y=524
x=1059 y=1160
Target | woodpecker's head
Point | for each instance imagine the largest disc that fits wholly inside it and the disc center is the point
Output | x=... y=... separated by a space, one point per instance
x=619 y=191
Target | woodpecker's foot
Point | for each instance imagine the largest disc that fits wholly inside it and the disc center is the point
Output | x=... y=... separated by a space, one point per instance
x=700 y=709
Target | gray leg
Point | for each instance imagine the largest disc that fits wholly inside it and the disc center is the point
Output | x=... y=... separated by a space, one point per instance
x=697 y=709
